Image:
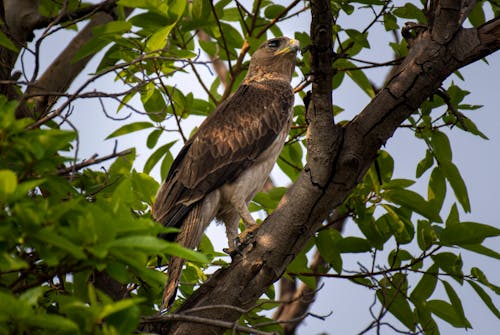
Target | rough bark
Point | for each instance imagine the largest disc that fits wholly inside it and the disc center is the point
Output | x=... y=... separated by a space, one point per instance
x=337 y=159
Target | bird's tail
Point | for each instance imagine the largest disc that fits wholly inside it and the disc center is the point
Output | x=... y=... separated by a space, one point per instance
x=189 y=237
x=174 y=274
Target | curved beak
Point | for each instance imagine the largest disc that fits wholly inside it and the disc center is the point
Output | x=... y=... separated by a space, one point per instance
x=293 y=46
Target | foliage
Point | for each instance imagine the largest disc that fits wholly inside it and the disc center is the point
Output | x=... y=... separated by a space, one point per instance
x=59 y=231
x=64 y=224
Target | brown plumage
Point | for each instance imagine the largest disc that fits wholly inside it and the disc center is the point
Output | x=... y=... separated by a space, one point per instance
x=221 y=168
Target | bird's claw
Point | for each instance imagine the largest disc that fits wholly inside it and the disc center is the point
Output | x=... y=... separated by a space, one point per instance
x=247 y=234
x=241 y=240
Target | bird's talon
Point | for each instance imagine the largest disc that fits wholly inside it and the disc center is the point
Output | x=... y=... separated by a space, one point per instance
x=231 y=251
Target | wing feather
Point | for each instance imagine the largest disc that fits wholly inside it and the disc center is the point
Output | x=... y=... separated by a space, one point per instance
x=226 y=144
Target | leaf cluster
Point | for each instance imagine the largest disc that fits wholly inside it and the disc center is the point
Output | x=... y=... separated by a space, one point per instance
x=61 y=232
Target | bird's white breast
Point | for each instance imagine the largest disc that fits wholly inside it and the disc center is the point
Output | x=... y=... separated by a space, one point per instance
x=252 y=179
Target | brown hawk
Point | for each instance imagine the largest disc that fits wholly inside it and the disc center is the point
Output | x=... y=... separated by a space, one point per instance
x=221 y=168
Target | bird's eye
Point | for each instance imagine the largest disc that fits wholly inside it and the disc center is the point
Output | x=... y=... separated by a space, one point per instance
x=273 y=44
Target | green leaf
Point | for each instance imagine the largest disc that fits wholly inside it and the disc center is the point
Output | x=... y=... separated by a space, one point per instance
x=145 y=243
x=446 y=312
x=450 y=263
x=398 y=183
x=360 y=78
x=467 y=125
x=52 y=322
x=273 y=11
x=7 y=43
x=398 y=225
x=52 y=238
x=467 y=233
x=130 y=128
x=441 y=146
x=413 y=201
x=485 y=297
x=201 y=10
x=8 y=184
x=453 y=217
x=397 y=256
x=166 y=164
x=481 y=277
x=452 y=174
x=436 y=191
x=126 y=320
x=153 y=138
x=373 y=230
x=426 y=285
x=390 y=22
x=290 y=160
x=353 y=244
x=326 y=241
x=386 y=166
x=481 y=249
x=456 y=303
x=426 y=236
x=159 y=39
x=156 y=156
x=151 y=21
x=358 y=37
x=155 y=105
x=102 y=36
x=111 y=28
x=456 y=94
x=410 y=11
x=232 y=36
x=476 y=16
x=117 y=307
x=176 y=249
x=425 y=164
x=299 y=263
x=11 y=263
x=392 y=297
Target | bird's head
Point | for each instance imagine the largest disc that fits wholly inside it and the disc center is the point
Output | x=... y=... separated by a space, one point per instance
x=275 y=58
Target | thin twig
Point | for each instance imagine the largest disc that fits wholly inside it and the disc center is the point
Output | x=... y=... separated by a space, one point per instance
x=210 y=322
x=92 y=161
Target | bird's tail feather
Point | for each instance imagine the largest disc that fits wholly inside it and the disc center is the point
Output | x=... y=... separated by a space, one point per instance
x=189 y=237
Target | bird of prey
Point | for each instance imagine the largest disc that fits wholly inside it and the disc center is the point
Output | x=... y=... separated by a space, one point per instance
x=221 y=168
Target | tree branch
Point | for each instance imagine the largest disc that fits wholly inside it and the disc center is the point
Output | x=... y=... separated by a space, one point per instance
x=92 y=161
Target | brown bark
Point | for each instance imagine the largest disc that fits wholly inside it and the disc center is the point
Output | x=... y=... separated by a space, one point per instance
x=337 y=159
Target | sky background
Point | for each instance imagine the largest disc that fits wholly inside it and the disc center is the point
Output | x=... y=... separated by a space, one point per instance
x=477 y=159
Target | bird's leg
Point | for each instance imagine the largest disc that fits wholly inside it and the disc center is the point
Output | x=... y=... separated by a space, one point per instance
x=248 y=221
x=231 y=222
x=232 y=233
